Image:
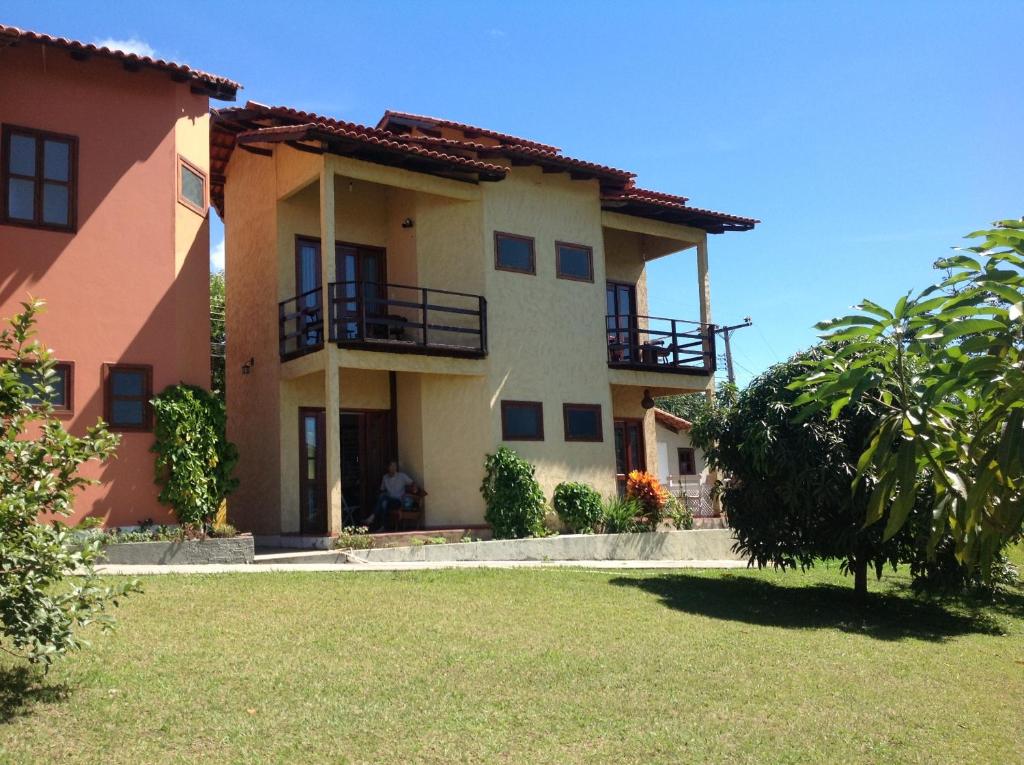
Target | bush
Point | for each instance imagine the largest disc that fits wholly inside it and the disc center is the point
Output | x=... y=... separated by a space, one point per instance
x=42 y=602
x=579 y=507
x=353 y=538
x=680 y=515
x=194 y=458
x=619 y=516
x=223 y=531
x=650 y=495
x=515 y=502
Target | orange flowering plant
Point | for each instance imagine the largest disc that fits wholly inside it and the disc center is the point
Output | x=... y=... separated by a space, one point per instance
x=649 y=494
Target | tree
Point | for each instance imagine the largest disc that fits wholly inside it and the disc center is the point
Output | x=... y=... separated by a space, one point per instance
x=944 y=370
x=788 y=497
x=693 y=406
x=515 y=502
x=218 y=336
x=41 y=601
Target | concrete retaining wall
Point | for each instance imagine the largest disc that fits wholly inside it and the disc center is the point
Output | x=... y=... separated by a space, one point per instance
x=704 y=544
x=238 y=549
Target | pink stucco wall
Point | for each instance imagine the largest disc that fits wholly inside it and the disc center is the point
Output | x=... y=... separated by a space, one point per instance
x=116 y=290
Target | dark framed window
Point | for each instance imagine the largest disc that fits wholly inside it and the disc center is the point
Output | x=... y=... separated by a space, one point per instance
x=687 y=461
x=38 y=178
x=574 y=261
x=61 y=384
x=127 y=389
x=582 y=422
x=522 y=421
x=514 y=253
x=192 y=186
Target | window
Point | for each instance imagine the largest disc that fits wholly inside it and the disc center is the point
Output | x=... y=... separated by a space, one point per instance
x=60 y=382
x=687 y=462
x=38 y=173
x=127 y=390
x=582 y=422
x=574 y=261
x=191 y=186
x=522 y=421
x=514 y=253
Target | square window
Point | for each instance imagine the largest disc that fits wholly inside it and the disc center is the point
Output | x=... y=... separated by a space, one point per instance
x=514 y=253
x=687 y=462
x=574 y=261
x=582 y=422
x=127 y=391
x=59 y=382
x=38 y=178
x=191 y=186
x=522 y=421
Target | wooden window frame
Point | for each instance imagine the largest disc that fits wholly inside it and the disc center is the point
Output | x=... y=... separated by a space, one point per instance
x=108 y=397
x=558 y=261
x=693 y=459
x=506 y=404
x=69 y=394
x=40 y=136
x=532 y=271
x=182 y=162
x=599 y=438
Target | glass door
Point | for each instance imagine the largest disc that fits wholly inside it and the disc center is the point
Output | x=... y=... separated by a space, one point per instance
x=629 y=450
x=622 y=322
x=312 y=479
x=307 y=290
x=363 y=271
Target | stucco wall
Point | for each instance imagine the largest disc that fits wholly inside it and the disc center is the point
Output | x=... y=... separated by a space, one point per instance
x=668 y=457
x=131 y=285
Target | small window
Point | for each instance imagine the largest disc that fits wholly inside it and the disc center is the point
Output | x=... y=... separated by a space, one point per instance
x=127 y=391
x=522 y=421
x=687 y=462
x=60 y=384
x=38 y=178
x=514 y=253
x=582 y=422
x=191 y=186
x=574 y=261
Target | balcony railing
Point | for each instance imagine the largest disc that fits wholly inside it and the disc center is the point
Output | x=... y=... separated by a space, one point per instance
x=664 y=345
x=300 y=324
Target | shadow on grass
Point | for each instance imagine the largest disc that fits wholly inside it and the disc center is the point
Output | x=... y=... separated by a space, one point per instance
x=21 y=687
x=886 y=616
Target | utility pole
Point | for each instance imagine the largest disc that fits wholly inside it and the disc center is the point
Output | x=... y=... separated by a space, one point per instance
x=726 y=332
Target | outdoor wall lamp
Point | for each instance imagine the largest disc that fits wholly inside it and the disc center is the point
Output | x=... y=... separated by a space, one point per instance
x=247 y=366
x=408 y=223
x=647 y=402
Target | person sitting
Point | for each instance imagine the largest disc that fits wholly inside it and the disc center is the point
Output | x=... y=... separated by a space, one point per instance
x=393 y=494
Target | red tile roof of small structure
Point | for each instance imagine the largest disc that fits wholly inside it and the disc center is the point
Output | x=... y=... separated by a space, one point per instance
x=671 y=421
x=213 y=85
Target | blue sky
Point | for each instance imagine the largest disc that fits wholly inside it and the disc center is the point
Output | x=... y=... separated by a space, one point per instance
x=868 y=137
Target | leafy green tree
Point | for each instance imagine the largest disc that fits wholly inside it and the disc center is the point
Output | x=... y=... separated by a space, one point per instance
x=694 y=406
x=515 y=502
x=218 y=335
x=944 y=371
x=788 y=495
x=194 y=459
x=41 y=601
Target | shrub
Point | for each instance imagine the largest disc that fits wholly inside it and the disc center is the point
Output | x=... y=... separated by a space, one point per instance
x=353 y=538
x=579 y=507
x=515 y=502
x=194 y=458
x=619 y=516
x=680 y=515
x=223 y=531
x=42 y=602
x=650 y=495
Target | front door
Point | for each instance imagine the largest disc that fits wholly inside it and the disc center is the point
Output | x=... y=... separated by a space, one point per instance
x=362 y=272
x=365 y=450
x=629 y=450
x=622 y=322
x=312 y=469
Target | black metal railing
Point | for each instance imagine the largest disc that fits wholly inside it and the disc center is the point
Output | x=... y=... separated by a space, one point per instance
x=301 y=324
x=652 y=342
x=400 y=318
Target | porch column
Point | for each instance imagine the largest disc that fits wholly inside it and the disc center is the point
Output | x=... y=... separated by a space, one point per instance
x=332 y=396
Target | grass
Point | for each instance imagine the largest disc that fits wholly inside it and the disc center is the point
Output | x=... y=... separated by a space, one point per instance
x=535 y=665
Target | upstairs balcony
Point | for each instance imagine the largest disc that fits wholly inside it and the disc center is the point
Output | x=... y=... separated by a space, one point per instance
x=377 y=316
x=652 y=343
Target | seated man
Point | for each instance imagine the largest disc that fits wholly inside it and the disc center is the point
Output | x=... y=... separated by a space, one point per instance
x=393 y=494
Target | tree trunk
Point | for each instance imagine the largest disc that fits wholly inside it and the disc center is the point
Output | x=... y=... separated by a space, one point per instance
x=859 y=566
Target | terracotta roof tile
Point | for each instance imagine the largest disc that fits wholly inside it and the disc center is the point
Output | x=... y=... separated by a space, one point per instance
x=439 y=122
x=221 y=87
x=671 y=421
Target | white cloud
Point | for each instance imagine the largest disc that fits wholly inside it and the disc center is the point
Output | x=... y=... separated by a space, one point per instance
x=217 y=257
x=130 y=45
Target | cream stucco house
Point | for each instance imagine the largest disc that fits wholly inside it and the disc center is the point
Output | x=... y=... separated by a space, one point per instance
x=482 y=289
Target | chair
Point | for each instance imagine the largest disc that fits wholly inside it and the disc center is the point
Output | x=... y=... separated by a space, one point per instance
x=413 y=515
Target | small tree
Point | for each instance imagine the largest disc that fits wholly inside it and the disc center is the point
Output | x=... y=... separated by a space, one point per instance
x=578 y=506
x=194 y=459
x=695 y=406
x=515 y=502
x=41 y=602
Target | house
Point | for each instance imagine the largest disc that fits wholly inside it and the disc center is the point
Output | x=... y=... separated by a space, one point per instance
x=682 y=468
x=430 y=290
x=104 y=157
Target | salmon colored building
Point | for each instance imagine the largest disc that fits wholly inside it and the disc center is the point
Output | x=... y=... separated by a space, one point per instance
x=104 y=197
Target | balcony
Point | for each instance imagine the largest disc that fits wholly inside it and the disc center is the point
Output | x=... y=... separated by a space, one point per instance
x=651 y=343
x=393 y=318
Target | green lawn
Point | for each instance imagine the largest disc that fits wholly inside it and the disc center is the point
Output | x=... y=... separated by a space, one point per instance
x=528 y=666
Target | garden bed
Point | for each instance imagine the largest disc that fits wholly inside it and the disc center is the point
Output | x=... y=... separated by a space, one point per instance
x=239 y=549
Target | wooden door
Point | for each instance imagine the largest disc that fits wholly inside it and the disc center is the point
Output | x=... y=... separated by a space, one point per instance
x=366 y=449
x=312 y=472
x=630 y=452
x=362 y=272
x=307 y=289
x=622 y=320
